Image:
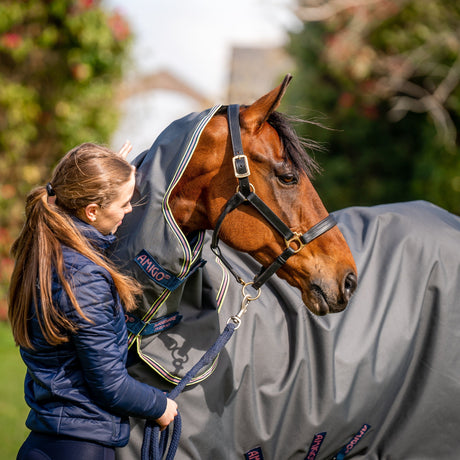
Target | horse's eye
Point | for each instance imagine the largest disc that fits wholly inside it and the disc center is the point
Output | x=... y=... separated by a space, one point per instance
x=288 y=179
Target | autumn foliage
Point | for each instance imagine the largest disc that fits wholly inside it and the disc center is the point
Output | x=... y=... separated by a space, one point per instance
x=385 y=75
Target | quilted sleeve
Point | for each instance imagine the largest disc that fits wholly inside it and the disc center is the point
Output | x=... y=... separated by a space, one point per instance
x=102 y=347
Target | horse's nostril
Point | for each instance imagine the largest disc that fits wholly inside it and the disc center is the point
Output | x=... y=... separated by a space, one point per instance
x=349 y=285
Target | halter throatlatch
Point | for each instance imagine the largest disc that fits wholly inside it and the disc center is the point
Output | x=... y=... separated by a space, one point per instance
x=246 y=194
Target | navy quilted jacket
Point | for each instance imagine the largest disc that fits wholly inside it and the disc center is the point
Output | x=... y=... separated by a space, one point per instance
x=82 y=388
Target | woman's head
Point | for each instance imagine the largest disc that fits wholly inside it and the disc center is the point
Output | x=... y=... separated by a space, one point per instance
x=94 y=184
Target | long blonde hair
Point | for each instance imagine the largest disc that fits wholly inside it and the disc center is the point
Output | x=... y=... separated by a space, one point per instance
x=87 y=174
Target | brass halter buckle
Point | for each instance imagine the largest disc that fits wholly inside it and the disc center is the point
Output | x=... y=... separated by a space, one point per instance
x=241 y=166
x=295 y=242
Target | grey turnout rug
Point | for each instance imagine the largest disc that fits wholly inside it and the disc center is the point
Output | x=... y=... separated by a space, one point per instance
x=380 y=380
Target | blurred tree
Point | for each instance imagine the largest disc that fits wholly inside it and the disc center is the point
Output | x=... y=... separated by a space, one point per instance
x=60 y=61
x=386 y=75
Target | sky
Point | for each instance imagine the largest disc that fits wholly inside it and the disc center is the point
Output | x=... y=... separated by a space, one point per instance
x=191 y=39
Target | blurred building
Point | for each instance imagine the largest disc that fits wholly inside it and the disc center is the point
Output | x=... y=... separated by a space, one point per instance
x=255 y=71
x=162 y=80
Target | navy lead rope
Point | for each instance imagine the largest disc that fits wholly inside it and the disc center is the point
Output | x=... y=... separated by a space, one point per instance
x=155 y=444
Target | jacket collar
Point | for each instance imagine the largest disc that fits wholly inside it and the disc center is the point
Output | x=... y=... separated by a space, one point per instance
x=96 y=238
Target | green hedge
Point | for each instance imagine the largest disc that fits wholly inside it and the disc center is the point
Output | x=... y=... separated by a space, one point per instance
x=13 y=409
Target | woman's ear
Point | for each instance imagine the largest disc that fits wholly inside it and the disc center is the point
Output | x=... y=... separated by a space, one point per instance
x=91 y=211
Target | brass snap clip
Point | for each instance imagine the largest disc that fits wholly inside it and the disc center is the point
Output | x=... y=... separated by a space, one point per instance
x=236 y=319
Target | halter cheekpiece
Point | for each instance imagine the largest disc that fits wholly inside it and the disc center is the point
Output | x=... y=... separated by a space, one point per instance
x=246 y=194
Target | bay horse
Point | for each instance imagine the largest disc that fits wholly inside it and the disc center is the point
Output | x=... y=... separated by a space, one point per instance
x=252 y=183
x=377 y=380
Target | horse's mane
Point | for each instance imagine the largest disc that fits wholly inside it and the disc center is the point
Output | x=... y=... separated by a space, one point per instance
x=295 y=147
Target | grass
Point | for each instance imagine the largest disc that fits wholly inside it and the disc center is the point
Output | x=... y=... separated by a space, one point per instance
x=13 y=409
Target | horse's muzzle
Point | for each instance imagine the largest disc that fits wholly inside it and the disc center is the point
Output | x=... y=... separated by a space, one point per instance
x=327 y=299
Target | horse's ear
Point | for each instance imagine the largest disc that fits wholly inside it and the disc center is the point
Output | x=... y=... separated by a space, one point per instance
x=253 y=116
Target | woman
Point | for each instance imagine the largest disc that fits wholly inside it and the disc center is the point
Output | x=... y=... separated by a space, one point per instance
x=66 y=313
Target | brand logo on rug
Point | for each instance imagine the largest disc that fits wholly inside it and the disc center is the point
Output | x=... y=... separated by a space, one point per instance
x=254 y=454
x=315 y=446
x=345 y=450
x=155 y=271
x=357 y=437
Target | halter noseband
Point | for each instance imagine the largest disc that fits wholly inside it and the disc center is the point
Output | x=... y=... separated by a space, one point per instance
x=245 y=194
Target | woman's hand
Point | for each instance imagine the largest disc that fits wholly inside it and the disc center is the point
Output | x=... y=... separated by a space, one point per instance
x=168 y=415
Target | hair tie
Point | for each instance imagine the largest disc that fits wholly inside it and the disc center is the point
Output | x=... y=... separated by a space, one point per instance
x=50 y=189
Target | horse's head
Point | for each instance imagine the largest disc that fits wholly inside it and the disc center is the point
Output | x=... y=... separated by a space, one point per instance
x=323 y=270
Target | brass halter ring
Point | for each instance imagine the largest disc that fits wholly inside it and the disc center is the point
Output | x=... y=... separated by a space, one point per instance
x=251 y=188
x=296 y=241
x=247 y=296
